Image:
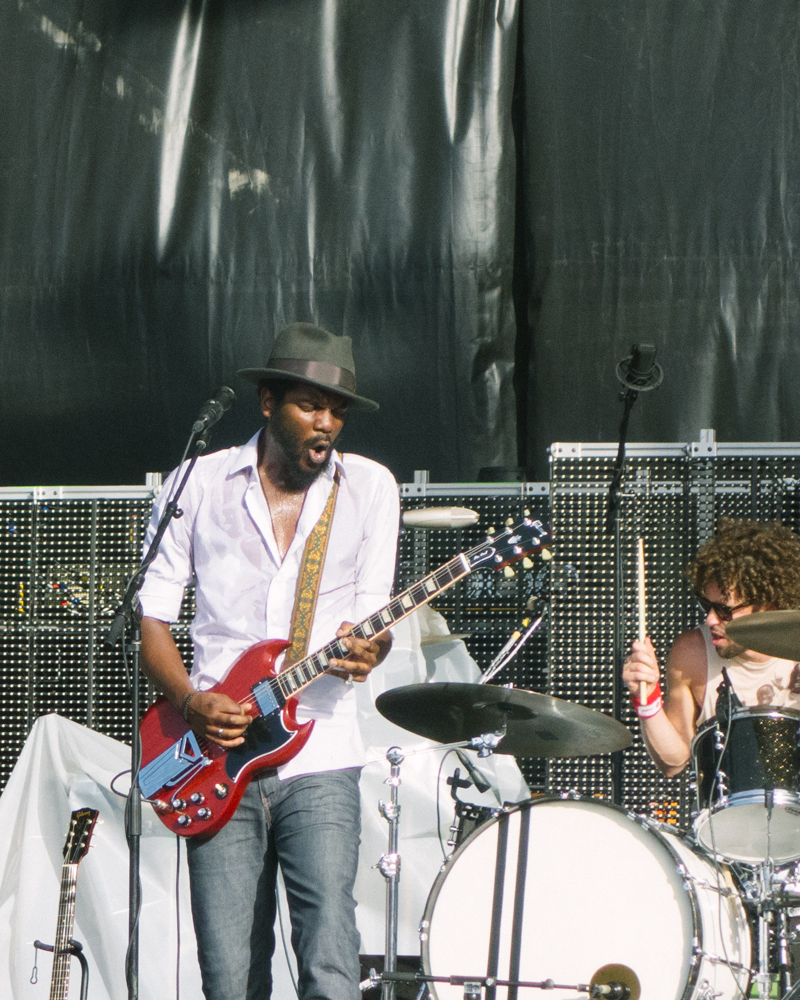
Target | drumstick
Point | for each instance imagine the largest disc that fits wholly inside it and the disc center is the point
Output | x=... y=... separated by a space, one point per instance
x=642 y=628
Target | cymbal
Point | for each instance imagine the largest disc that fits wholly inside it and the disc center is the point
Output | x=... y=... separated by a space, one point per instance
x=537 y=724
x=774 y=633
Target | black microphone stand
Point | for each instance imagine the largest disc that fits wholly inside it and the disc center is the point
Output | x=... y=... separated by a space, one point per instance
x=128 y=620
x=638 y=373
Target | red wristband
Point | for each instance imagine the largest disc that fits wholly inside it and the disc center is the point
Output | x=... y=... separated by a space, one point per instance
x=651 y=706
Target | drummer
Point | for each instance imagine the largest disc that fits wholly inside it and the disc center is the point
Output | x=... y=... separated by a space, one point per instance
x=748 y=566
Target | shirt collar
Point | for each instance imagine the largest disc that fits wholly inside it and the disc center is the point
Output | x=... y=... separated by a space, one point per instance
x=247 y=459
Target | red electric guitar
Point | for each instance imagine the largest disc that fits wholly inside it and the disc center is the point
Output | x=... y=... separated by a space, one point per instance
x=194 y=785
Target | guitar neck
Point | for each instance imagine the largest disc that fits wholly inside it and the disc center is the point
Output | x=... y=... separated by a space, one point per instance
x=295 y=678
x=59 y=981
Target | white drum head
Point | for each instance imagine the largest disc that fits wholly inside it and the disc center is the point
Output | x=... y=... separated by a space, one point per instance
x=591 y=887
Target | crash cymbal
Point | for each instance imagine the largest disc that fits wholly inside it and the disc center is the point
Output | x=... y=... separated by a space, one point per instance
x=774 y=633
x=537 y=725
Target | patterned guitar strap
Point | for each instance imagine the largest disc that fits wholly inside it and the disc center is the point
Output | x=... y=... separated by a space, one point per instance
x=308 y=580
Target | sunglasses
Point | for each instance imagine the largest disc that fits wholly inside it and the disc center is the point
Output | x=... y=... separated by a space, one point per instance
x=723 y=611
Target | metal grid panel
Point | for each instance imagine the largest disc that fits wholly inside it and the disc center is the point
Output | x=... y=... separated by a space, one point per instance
x=64 y=567
x=652 y=506
x=488 y=605
x=15 y=685
x=16 y=526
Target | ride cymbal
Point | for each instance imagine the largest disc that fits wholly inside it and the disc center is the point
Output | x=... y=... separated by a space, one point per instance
x=537 y=725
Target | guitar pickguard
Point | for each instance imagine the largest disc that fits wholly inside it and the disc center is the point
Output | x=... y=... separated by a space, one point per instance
x=265 y=735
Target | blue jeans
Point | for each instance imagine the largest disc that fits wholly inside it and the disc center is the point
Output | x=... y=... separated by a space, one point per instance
x=310 y=826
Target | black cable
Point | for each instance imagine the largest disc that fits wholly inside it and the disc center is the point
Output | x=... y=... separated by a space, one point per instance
x=445 y=855
x=178 y=919
x=122 y=795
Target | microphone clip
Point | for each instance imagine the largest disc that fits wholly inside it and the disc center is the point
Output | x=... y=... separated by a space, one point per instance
x=639 y=372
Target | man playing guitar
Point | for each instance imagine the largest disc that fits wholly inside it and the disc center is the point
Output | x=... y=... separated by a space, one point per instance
x=248 y=514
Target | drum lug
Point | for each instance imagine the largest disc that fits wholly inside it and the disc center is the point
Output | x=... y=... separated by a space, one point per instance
x=389 y=866
x=389 y=810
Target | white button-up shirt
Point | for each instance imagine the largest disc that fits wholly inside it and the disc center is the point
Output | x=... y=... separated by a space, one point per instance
x=245 y=592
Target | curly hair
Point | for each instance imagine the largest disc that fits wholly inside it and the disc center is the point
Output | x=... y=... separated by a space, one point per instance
x=759 y=562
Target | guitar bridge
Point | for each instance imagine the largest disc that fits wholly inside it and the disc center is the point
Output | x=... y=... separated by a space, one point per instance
x=171 y=765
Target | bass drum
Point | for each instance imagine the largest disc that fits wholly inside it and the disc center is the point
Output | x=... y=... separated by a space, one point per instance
x=557 y=888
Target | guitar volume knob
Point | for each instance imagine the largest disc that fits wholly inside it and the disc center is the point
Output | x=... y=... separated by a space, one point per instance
x=204 y=813
x=178 y=804
x=184 y=820
x=197 y=798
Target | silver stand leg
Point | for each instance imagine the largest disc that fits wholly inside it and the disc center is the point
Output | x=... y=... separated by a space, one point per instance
x=765 y=916
x=390 y=868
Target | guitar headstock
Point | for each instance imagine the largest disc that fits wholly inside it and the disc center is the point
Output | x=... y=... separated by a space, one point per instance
x=515 y=542
x=80 y=833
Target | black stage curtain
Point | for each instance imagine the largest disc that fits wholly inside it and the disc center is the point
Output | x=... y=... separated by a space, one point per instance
x=493 y=199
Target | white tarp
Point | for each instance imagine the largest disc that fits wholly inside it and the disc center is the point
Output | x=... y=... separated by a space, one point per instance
x=65 y=766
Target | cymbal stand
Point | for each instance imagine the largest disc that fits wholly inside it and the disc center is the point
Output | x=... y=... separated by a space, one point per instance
x=764 y=891
x=389 y=864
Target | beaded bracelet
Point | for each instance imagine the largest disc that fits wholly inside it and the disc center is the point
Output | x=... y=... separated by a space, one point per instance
x=185 y=705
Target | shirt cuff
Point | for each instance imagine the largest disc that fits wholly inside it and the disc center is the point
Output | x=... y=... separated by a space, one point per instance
x=161 y=601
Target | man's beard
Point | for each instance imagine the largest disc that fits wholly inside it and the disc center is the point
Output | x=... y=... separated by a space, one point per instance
x=295 y=476
x=731 y=651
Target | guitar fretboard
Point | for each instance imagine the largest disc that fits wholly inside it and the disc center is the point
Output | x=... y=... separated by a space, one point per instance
x=59 y=981
x=295 y=678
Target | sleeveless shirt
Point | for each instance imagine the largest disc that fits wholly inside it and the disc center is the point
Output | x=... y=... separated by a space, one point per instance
x=773 y=682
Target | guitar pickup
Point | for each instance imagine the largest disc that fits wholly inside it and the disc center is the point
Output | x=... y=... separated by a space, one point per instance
x=171 y=765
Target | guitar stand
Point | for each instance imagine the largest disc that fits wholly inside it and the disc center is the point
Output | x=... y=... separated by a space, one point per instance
x=74 y=948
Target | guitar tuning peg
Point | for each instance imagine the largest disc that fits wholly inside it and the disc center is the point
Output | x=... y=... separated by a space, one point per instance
x=508 y=573
x=546 y=554
x=527 y=563
x=526 y=512
x=490 y=532
x=509 y=522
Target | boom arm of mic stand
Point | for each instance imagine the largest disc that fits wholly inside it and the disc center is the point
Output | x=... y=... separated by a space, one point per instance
x=612 y=511
x=614 y=527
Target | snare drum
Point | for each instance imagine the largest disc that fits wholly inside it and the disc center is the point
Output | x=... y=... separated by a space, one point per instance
x=748 y=791
x=557 y=888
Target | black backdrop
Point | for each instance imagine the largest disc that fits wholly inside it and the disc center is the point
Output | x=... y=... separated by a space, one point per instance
x=494 y=199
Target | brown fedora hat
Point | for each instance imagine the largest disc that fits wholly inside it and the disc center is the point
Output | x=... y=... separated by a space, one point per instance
x=306 y=353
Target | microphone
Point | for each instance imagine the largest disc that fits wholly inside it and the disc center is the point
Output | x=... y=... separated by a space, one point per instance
x=639 y=370
x=612 y=990
x=479 y=779
x=211 y=411
x=440 y=517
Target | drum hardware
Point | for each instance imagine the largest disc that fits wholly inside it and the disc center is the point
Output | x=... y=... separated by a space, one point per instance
x=389 y=863
x=625 y=987
x=514 y=644
x=467 y=816
x=524 y=879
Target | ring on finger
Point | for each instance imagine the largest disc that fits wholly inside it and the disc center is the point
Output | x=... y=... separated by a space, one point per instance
x=220 y=732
